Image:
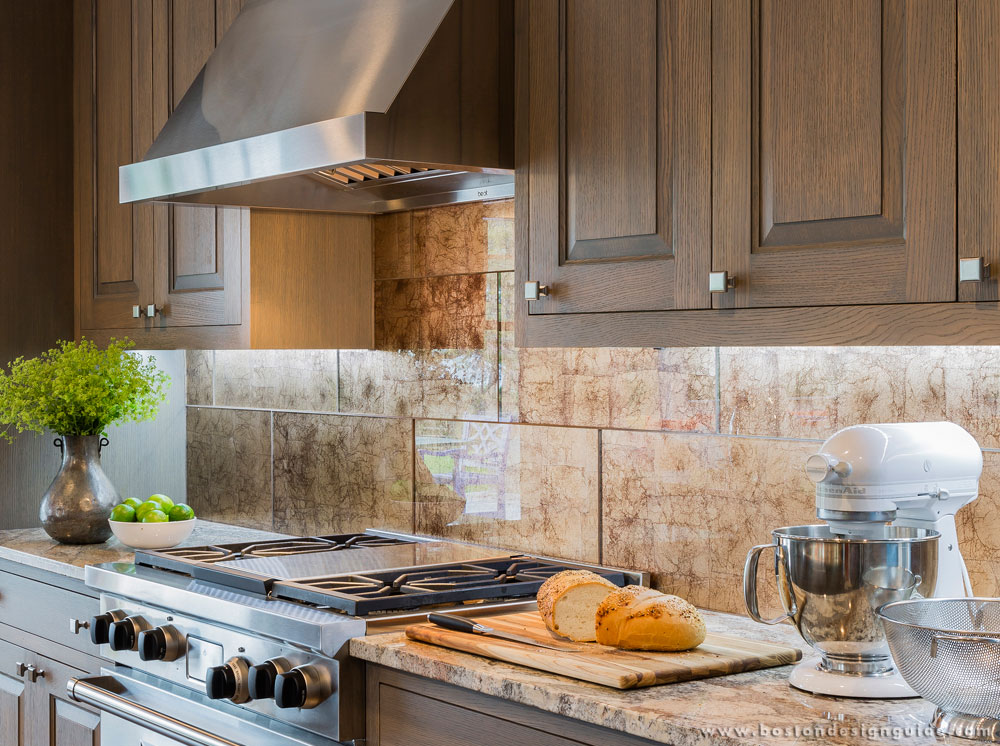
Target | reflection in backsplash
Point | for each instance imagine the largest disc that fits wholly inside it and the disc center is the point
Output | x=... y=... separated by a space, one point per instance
x=674 y=461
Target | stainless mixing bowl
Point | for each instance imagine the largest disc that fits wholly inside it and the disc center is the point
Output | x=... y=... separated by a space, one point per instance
x=831 y=585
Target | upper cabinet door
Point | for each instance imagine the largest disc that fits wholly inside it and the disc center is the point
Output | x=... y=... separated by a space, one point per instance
x=113 y=125
x=834 y=151
x=199 y=263
x=614 y=136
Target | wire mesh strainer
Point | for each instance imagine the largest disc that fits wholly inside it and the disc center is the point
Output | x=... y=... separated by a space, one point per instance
x=948 y=650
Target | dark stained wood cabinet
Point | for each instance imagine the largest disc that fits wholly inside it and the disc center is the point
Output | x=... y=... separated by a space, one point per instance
x=134 y=60
x=198 y=268
x=616 y=140
x=850 y=146
x=834 y=143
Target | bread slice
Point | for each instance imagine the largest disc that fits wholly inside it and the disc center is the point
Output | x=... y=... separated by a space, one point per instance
x=636 y=618
x=568 y=603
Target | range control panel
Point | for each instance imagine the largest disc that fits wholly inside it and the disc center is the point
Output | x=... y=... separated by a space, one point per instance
x=267 y=676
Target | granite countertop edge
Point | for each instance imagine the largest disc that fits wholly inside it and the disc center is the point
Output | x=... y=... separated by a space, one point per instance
x=693 y=713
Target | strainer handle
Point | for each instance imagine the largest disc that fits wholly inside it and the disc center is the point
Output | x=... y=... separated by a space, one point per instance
x=959 y=638
x=750 y=584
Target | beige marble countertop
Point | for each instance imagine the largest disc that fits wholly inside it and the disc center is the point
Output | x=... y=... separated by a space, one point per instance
x=758 y=707
x=33 y=547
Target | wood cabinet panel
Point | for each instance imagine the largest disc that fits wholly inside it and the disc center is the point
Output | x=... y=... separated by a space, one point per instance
x=615 y=103
x=979 y=142
x=54 y=719
x=408 y=710
x=112 y=80
x=199 y=268
x=850 y=134
x=12 y=705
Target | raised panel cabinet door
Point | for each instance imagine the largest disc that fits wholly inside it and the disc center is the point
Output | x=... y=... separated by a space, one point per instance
x=199 y=257
x=13 y=705
x=615 y=131
x=979 y=144
x=834 y=151
x=113 y=126
x=53 y=718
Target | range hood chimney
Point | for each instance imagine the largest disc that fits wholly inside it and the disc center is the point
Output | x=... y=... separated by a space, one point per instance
x=361 y=106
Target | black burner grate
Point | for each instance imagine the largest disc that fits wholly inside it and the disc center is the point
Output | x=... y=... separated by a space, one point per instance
x=366 y=592
x=413 y=588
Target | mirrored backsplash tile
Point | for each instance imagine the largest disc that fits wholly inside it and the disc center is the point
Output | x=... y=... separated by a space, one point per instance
x=689 y=507
x=811 y=392
x=454 y=239
x=336 y=473
x=533 y=489
x=433 y=313
x=199 y=373
x=277 y=379
x=229 y=465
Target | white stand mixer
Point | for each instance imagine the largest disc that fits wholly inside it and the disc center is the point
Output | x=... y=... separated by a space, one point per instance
x=915 y=475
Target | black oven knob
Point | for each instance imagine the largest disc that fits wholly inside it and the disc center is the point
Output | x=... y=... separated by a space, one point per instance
x=303 y=686
x=125 y=632
x=160 y=644
x=100 y=626
x=228 y=681
x=263 y=675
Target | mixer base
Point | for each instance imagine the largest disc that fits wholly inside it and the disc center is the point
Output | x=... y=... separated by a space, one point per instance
x=966 y=726
x=809 y=677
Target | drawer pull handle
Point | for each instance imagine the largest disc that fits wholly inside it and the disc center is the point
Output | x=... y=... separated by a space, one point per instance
x=20 y=668
x=34 y=674
x=75 y=625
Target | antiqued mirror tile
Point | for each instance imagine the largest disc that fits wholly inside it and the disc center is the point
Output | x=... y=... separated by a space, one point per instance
x=434 y=313
x=427 y=383
x=199 y=364
x=229 y=466
x=629 y=388
x=687 y=508
x=277 y=379
x=392 y=239
x=979 y=530
x=532 y=489
x=458 y=239
x=812 y=392
x=337 y=473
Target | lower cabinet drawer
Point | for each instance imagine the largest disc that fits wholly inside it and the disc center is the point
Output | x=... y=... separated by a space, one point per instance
x=46 y=610
x=407 y=710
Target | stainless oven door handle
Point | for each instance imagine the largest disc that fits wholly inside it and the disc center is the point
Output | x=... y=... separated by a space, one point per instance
x=89 y=690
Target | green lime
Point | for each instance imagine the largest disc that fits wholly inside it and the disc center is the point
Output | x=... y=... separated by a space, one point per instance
x=135 y=502
x=124 y=513
x=181 y=512
x=163 y=500
x=155 y=516
x=145 y=507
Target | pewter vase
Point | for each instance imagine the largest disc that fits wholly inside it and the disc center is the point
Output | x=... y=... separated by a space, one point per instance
x=78 y=503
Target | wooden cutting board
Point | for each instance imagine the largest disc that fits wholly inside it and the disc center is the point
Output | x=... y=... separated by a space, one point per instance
x=719 y=655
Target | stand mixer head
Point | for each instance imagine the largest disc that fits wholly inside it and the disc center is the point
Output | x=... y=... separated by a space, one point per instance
x=915 y=474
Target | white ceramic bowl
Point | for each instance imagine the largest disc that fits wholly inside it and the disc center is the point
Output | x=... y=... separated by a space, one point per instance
x=152 y=535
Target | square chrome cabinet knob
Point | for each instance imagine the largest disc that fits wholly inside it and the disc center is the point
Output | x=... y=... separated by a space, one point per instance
x=973 y=269
x=535 y=290
x=720 y=282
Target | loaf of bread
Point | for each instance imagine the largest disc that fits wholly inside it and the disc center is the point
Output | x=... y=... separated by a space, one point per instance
x=636 y=618
x=568 y=603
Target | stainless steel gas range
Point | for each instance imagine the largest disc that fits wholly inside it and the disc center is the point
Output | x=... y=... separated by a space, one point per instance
x=248 y=643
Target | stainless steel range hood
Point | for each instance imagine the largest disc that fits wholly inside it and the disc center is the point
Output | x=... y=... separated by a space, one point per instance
x=364 y=106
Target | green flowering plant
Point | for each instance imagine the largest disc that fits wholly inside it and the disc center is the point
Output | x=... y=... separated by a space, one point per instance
x=80 y=389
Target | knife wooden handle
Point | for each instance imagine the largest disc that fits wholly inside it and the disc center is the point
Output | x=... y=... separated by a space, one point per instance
x=454 y=623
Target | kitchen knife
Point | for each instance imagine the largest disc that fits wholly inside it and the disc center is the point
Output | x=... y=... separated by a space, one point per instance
x=462 y=624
